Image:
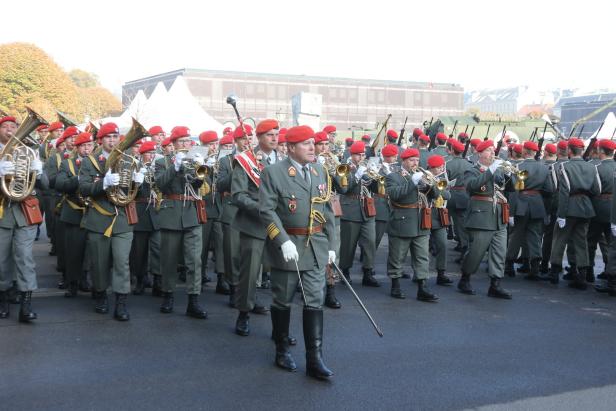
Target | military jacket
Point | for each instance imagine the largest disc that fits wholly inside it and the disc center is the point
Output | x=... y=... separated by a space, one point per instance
x=456 y=169
x=578 y=181
x=603 y=202
x=483 y=215
x=403 y=222
x=223 y=186
x=423 y=158
x=529 y=201
x=146 y=210
x=67 y=183
x=351 y=202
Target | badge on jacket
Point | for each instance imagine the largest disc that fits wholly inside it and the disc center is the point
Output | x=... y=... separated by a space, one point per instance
x=292 y=204
x=292 y=171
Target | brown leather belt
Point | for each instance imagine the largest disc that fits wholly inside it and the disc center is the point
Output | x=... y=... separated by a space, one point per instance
x=487 y=199
x=398 y=205
x=178 y=197
x=379 y=195
x=605 y=196
x=303 y=230
x=530 y=192
x=459 y=188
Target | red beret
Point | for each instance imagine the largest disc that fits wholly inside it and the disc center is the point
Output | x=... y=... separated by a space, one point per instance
x=409 y=152
x=424 y=138
x=607 y=144
x=147 y=146
x=576 y=142
x=392 y=134
x=329 y=129
x=267 y=125
x=483 y=145
x=517 y=148
x=83 y=138
x=436 y=161
x=417 y=132
x=9 y=118
x=282 y=131
x=239 y=132
x=531 y=145
x=42 y=127
x=166 y=142
x=475 y=142
x=70 y=132
x=156 y=130
x=358 y=147
x=320 y=136
x=442 y=137
x=228 y=139
x=550 y=148
x=107 y=128
x=56 y=125
x=226 y=131
x=463 y=135
x=59 y=141
x=348 y=139
x=389 y=150
x=562 y=145
x=208 y=137
x=457 y=146
x=298 y=134
x=282 y=138
x=365 y=137
x=179 y=132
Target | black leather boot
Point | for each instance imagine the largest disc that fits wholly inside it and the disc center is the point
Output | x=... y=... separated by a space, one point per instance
x=578 y=280
x=157 y=286
x=194 y=309
x=442 y=278
x=232 y=296
x=571 y=272
x=509 y=268
x=330 y=297
x=533 y=274
x=242 y=324
x=84 y=284
x=396 y=291
x=25 y=310
x=497 y=291
x=5 y=306
x=544 y=268
x=121 y=313
x=590 y=274
x=139 y=287
x=72 y=289
x=424 y=293
x=368 y=280
x=167 y=305
x=554 y=273
x=221 y=285
x=525 y=267
x=464 y=285
x=280 y=333
x=347 y=275
x=313 y=339
x=608 y=286
x=102 y=304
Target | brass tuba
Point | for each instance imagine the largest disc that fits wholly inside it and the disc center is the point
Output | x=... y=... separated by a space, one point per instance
x=125 y=165
x=19 y=186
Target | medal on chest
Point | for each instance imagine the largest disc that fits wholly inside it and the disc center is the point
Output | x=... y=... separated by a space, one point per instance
x=292 y=204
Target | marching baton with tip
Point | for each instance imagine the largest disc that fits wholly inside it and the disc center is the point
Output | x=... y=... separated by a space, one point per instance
x=301 y=285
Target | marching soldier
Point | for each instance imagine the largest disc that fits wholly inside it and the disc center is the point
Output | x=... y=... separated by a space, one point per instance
x=440 y=149
x=473 y=156
x=423 y=145
x=458 y=203
x=392 y=137
x=610 y=269
x=331 y=137
x=551 y=205
x=379 y=191
x=42 y=133
x=486 y=221
x=282 y=143
x=369 y=151
x=348 y=142
x=17 y=233
x=408 y=229
x=180 y=218
x=294 y=199
x=578 y=181
x=55 y=130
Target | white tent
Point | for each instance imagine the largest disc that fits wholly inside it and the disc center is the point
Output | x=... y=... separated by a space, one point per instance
x=186 y=111
x=609 y=125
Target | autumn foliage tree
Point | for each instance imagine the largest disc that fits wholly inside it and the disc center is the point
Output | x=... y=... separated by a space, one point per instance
x=29 y=77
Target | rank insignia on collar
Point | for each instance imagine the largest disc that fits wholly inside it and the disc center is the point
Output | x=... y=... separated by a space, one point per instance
x=292 y=171
x=292 y=205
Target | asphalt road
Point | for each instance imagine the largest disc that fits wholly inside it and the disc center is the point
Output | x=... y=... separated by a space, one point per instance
x=548 y=348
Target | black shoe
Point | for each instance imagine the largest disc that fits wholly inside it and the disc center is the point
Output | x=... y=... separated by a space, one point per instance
x=464 y=285
x=396 y=291
x=496 y=291
x=167 y=305
x=25 y=310
x=330 y=297
x=221 y=286
x=602 y=276
x=102 y=304
x=571 y=272
x=424 y=293
x=121 y=313
x=544 y=268
x=578 y=280
x=71 y=291
x=590 y=274
x=232 y=289
x=406 y=276
x=62 y=284
x=280 y=335
x=525 y=268
x=313 y=339
x=5 y=306
x=84 y=286
x=442 y=278
x=368 y=280
x=139 y=287
x=194 y=309
x=509 y=268
x=52 y=252
x=259 y=309
x=554 y=274
x=242 y=325
x=157 y=286
x=458 y=247
x=533 y=274
x=608 y=286
x=347 y=275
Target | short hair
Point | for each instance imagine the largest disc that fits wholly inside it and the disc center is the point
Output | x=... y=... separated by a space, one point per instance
x=576 y=151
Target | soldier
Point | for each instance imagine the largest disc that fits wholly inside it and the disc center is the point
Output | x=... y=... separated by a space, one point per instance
x=75 y=237
x=294 y=199
x=457 y=205
x=348 y=142
x=369 y=151
x=462 y=137
x=55 y=130
x=423 y=145
x=245 y=192
x=551 y=206
x=108 y=230
x=406 y=230
x=528 y=211
x=610 y=269
x=167 y=147
x=282 y=144
x=486 y=221
x=357 y=222
x=158 y=135
x=180 y=219
x=440 y=149
x=42 y=132
x=331 y=137
x=379 y=191
x=17 y=233
x=578 y=181
x=472 y=155
x=392 y=137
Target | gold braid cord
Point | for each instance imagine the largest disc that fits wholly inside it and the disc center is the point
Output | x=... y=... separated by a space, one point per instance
x=316 y=214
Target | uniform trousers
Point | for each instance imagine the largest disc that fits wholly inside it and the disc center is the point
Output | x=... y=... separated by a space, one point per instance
x=110 y=261
x=573 y=235
x=16 y=259
x=494 y=242
x=351 y=233
x=75 y=239
x=251 y=249
x=174 y=245
x=399 y=248
x=231 y=253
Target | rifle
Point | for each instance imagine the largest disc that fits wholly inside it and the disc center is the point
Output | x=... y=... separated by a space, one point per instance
x=466 y=146
x=540 y=145
x=375 y=143
x=591 y=143
x=487 y=132
x=429 y=125
x=500 y=142
x=401 y=136
x=453 y=130
x=533 y=134
x=582 y=130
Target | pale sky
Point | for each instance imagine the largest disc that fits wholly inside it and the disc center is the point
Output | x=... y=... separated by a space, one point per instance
x=477 y=44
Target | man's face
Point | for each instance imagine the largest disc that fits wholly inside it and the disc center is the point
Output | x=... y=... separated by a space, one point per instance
x=226 y=147
x=61 y=147
x=410 y=163
x=110 y=141
x=147 y=156
x=168 y=149
x=302 y=152
x=7 y=129
x=389 y=159
x=42 y=135
x=56 y=134
x=321 y=147
x=211 y=147
x=158 y=138
x=135 y=150
x=282 y=147
x=242 y=144
x=268 y=141
x=184 y=143
x=486 y=157
x=85 y=149
x=70 y=143
x=356 y=158
x=437 y=170
x=331 y=137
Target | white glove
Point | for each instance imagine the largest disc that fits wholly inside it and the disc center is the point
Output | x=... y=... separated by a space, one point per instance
x=373 y=169
x=332 y=257
x=494 y=166
x=197 y=158
x=386 y=168
x=289 y=251
x=361 y=170
x=511 y=221
x=613 y=228
x=561 y=222
x=111 y=179
x=416 y=177
x=7 y=168
x=37 y=165
x=139 y=176
x=178 y=160
x=211 y=161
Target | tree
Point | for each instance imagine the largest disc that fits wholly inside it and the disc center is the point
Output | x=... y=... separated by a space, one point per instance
x=83 y=79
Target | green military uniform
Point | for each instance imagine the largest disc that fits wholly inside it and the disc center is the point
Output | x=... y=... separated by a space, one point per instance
x=52 y=167
x=458 y=203
x=381 y=203
x=440 y=150
x=288 y=210
x=438 y=232
x=610 y=268
x=578 y=181
x=424 y=153
x=551 y=206
x=212 y=235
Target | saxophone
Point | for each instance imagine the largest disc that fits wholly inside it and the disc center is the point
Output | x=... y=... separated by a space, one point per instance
x=19 y=186
x=125 y=165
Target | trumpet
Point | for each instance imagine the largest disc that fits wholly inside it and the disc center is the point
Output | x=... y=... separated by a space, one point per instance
x=192 y=169
x=521 y=175
x=334 y=168
x=432 y=180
